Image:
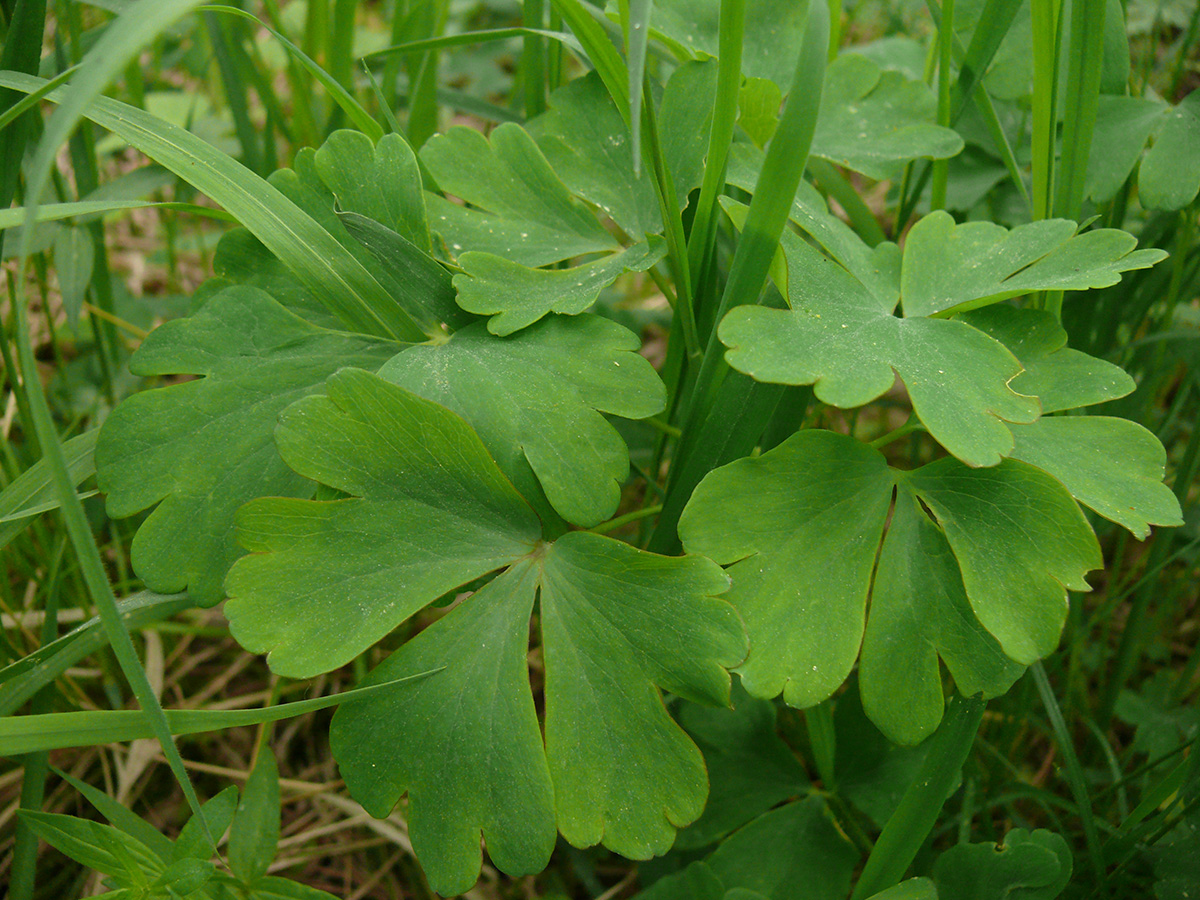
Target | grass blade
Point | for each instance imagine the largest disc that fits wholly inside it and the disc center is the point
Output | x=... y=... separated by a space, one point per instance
x=32 y=492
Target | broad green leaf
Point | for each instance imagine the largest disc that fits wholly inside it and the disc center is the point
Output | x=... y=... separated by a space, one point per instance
x=1123 y=125
x=193 y=841
x=254 y=831
x=1029 y=865
x=1176 y=864
x=791 y=853
x=617 y=621
x=536 y=398
x=74 y=257
x=800 y=556
x=912 y=889
x=685 y=120
x=99 y=847
x=465 y=746
x=774 y=29
x=516 y=296
x=920 y=611
x=696 y=882
x=844 y=339
x=949 y=267
x=759 y=101
x=430 y=512
x=32 y=492
x=242 y=258
x=1170 y=174
x=1113 y=466
x=586 y=143
x=1021 y=543
x=750 y=768
x=197 y=451
x=337 y=279
x=381 y=182
x=874 y=120
x=1060 y=377
x=528 y=215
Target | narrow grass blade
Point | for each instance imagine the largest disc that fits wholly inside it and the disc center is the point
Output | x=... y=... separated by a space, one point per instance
x=32 y=492
x=90 y=210
x=637 y=35
x=121 y=817
x=533 y=58
x=52 y=731
x=296 y=238
x=485 y=36
x=600 y=50
x=1047 y=28
x=1085 y=62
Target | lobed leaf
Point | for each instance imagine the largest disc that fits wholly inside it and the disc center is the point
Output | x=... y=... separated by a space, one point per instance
x=1170 y=174
x=198 y=450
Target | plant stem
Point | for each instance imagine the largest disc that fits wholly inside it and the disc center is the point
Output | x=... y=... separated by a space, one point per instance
x=914 y=818
x=913 y=424
x=941 y=167
x=621 y=521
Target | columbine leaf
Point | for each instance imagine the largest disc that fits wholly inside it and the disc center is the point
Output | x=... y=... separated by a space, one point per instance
x=920 y=611
x=874 y=121
x=201 y=449
x=242 y=259
x=842 y=337
x=800 y=556
x=465 y=746
x=430 y=512
x=1113 y=466
x=528 y=215
x=1034 y=865
x=535 y=398
x=1123 y=125
x=516 y=296
x=950 y=267
x=1170 y=174
x=1020 y=541
x=750 y=768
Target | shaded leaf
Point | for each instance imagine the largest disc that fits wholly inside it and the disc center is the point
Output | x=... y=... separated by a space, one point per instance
x=74 y=258
x=874 y=120
x=920 y=611
x=240 y=257
x=198 y=450
x=516 y=296
x=33 y=492
x=525 y=393
x=1170 y=174
x=99 y=847
x=843 y=338
x=1027 y=865
x=194 y=842
x=912 y=889
x=1123 y=125
x=696 y=882
x=949 y=267
x=254 y=831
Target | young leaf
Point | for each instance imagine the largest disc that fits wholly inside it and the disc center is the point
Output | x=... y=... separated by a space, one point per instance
x=430 y=511
x=949 y=267
x=1021 y=542
x=535 y=398
x=254 y=831
x=99 y=847
x=193 y=841
x=516 y=296
x=533 y=218
x=920 y=611
x=874 y=121
x=845 y=340
x=201 y=449
x=800 y=556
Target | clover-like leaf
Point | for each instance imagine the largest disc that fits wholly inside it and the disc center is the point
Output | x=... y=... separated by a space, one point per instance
x=1021 y=543
x=201 y=449
x=535 y=398
x=842 y=337
x=524 y=211
x=1030 y=865
x=1170 y=174
x=430 y=511
x=1111 y=465
x=874 y=120
x=516 y=296
x=950 y=267
x=920 y=611
x=800 y=555
x=1123 y=125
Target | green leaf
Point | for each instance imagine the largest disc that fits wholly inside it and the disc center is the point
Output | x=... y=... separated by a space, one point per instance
x=874 y=120
x=1170 y=174
x=912 y=889
x=1110 y=465
x=122 y=817
x=430 y=512
x=791 y=853
x=696 y=882
x=201 y=449
x=1020 y=541
x=535 y=399
x=1027 y=865
x=272 y=887
x=800 y=555
x=1123 y=125
x=215 y=816
x=254 y=831
x=32 y=492
x=74 y=258
x=381 y=182
x=949 y=267
x=99 y=847
x=337 y=279
x=750 y=768
x=759 y=101
x=920 y=611
x=843 y=338
x=184 y=876
x=516 y=296
x=530 y=217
